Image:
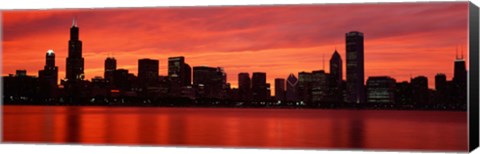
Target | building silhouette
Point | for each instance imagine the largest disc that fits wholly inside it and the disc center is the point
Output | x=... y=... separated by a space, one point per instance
x=48 y=77
x=292 y=86
x=259 y=86
x=440 y=82
x=280 y=89
x=420 y=92
x=304 y=87
x=148 y=71
x=355 y=67
x=319 y=87
x=209 y=81
x=403 y=93
x=381 y=89
x=110 y=67
x=244 y=86
x=75 y=61
x=18 y=87
x=442 y=87
x=121 y=80
x=336 y=73
x=50 y=71
x=459 y=89
x=179 y=72
x=336 y=83
x=460 y=72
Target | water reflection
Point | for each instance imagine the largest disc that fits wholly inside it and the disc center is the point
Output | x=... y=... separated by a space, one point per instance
x=279 y=128
x=73 y=133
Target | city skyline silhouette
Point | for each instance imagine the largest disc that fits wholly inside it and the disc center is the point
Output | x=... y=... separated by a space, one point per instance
x=298 y=50
x=210 y=86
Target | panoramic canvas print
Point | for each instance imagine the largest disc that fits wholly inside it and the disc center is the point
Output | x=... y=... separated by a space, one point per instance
x=388 y=76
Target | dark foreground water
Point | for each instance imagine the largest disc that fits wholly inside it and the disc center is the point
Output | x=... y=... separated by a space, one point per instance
x=222 y=127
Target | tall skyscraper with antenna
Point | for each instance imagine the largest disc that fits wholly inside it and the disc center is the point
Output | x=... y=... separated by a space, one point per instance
x=75 y=61
x=460 y=70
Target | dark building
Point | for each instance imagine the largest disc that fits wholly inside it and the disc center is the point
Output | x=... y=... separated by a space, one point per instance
x=18 y=87
x=420 y=92
x=319 y=86
x=110 y=67
x=460 y=72
x=75 y=87
x=148 y=71
x=75 y=61
x=336 y=73
x=304 y=87
x=209 y=81
x=280 y=89
x=459 y=89
x=441 y=89
x=121 y=80
x=403 y=93
x=259 y=86
x=48 y=77
x=440 y=82
x=292 y=85
x=179 y=72
x=381 y=89
x=244 y=86
x=99 y=87
x=336 y=83
x=50 y=71
x=355 y=67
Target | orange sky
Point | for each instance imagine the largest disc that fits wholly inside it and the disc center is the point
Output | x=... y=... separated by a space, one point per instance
x=401 y=40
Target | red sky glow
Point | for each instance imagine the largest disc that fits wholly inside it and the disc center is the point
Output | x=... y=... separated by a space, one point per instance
x=401 y=40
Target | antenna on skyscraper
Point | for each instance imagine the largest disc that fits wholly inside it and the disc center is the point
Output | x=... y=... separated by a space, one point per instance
x=461 y=52
x=456 y=53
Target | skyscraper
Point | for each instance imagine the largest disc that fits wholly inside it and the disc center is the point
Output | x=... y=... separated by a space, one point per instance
x=304 y=87
x=50 y=71
x=244 y=86
x=460 y=81
x=110 y=67
x=179 y=72
x=292 y=83
x=48 y=77
x=75 y=61
x=336 y=73
x=259 y=86
x=440 y=82
x=460 y=72
x=280 y=89
x=148 y=70
x=355 y=67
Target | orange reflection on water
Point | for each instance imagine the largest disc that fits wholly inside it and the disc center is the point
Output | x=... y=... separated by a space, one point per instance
x=219 y=127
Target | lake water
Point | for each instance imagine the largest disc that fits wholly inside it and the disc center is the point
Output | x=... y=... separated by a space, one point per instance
x=229 y=127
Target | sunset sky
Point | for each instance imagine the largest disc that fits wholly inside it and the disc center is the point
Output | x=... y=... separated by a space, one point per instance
x=401 y=40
